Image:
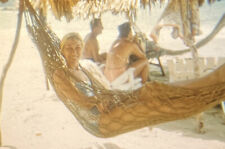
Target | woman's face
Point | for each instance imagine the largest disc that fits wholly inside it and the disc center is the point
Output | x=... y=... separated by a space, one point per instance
x=72 y=51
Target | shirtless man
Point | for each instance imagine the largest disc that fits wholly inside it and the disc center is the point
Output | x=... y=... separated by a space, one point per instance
x=91 y=47
x=118 y=58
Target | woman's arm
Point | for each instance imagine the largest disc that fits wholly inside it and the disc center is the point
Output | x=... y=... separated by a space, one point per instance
x=66 y=90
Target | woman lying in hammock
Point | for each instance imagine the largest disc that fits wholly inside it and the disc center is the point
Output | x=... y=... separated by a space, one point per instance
x=71 y=49
x=109 y=113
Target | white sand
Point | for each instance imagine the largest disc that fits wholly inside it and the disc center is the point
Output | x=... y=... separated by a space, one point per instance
x=34 y=118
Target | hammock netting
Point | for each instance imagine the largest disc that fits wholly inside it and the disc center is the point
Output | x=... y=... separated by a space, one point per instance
x=123 y=111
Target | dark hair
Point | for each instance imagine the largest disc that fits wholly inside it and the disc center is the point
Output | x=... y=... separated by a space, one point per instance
x=124 y=29
x=94 y=22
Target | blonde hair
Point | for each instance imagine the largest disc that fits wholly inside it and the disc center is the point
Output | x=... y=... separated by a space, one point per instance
x=68 y=36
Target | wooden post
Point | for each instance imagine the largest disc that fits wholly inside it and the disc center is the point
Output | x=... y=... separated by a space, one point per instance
x=195 y=57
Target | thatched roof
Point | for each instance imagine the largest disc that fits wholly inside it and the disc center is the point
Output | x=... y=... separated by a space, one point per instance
x=89 y=8
x=86 y=8
x=3 y=1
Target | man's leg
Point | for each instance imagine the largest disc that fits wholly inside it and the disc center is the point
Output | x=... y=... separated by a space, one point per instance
x=141 y=69
x=145 y=73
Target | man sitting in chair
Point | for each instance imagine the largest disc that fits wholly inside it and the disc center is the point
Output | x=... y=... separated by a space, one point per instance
x=118 y=58
x=91 y=46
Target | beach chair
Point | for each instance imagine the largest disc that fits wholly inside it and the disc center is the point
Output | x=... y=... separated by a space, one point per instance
x=183 y=69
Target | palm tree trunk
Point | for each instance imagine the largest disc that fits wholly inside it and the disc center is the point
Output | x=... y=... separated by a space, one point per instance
x=13 y=51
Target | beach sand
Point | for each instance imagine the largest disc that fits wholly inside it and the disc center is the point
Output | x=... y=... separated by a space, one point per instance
x=34 y=118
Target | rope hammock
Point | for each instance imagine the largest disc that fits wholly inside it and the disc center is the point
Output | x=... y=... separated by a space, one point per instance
x=115 y=112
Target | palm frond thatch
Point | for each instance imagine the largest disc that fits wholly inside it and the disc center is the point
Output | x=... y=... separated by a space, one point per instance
x=3 y=1
x=87 y=8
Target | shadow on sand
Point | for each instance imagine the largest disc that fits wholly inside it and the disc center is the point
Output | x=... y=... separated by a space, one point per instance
x=214 y=125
